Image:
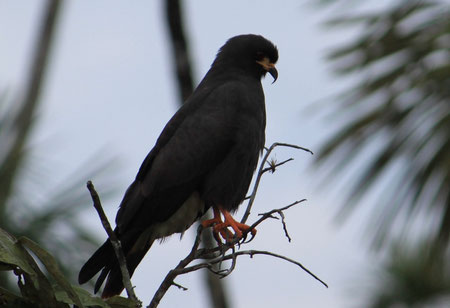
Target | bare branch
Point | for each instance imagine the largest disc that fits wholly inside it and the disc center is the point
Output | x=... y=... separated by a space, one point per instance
x=284 y=226
x=226 y=272
x=251 y=253
x=282 y=144
x=217 y=255
x=269 y=214
x=273 y=165
x=179 y=286
x=168 y=280
x=115 y=244
x=261 y=172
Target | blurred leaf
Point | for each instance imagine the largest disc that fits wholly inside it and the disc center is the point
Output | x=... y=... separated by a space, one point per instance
x=52 y=267
x=121 y=302
x=84 y=296
x=33 y=284
x=412 y=276
x=35 y=287
x=399 y=109
x=10 y=253
x=8 y=299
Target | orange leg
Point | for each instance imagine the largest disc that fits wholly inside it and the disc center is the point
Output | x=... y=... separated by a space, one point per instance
x=221 y=227
x=217 y=220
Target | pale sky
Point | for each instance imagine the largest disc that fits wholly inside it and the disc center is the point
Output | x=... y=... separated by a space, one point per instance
x=111 y=85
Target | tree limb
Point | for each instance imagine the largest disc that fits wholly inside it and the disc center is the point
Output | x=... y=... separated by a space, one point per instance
x=117 y=246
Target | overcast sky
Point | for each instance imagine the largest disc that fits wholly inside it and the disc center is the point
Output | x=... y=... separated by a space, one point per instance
x=111 y=86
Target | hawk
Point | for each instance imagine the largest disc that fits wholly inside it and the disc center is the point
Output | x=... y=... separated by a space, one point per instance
x=204 y=158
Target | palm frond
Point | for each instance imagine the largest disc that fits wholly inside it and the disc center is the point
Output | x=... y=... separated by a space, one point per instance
x=412 y=276
x=400 y=107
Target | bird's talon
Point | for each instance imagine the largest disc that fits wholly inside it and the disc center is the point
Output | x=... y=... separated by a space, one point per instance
x=252 y=232
x=221 y=231
x=217 y=238
x=251 y=239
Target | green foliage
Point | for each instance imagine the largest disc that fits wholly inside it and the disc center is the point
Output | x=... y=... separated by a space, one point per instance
x=47 y=213
x=399 y=110
x=38 y=289
x=412 y=277
x=30 y=205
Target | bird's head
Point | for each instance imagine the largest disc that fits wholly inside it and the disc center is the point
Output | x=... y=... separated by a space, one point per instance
x=250 y=52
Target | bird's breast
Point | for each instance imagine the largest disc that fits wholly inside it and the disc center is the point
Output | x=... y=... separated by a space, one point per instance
x=182 y=219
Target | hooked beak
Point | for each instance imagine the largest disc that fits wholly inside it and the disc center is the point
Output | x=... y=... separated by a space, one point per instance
x=269 y=67
x=273 y=71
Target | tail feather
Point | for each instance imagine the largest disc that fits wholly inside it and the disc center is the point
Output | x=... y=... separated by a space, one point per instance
x=114 y=284
x=100 y=259
x=104 y=260
x=101 y=278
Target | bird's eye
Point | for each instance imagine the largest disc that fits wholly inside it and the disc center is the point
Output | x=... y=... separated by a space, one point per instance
x=259 y=56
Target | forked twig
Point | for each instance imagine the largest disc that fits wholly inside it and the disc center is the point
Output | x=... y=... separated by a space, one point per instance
x=115 y=242
x=261 y=172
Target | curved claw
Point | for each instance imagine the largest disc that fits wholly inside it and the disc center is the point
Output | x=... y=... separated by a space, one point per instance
x=220 y=228
x=253 y=233
x=217 y=238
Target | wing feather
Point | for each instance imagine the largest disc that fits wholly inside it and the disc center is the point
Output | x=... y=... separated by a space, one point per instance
x=189 y=148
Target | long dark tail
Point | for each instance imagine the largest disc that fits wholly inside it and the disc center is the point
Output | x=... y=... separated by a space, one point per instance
x=100 y=259
x=104 y=259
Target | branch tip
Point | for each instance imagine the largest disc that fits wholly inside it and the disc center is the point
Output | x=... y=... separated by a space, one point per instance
x=115 y=242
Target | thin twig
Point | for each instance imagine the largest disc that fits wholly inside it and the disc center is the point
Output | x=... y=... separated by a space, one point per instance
x=170 y=277
x=284 y=226
x=179 y=286
x=251 y=253
x=115 y=244
x=228 y=271
x=282 y=144
x=256 y=185
x=264 y=216
x=273 y=165
x=272 y=168
x=261 y=172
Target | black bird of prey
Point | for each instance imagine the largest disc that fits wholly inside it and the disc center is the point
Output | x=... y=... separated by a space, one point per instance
x=204 y=158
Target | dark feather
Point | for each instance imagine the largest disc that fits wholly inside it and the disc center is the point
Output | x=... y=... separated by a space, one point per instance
x=205 y=156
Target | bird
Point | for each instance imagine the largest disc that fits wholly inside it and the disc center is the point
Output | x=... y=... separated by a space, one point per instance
x=204 y=158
